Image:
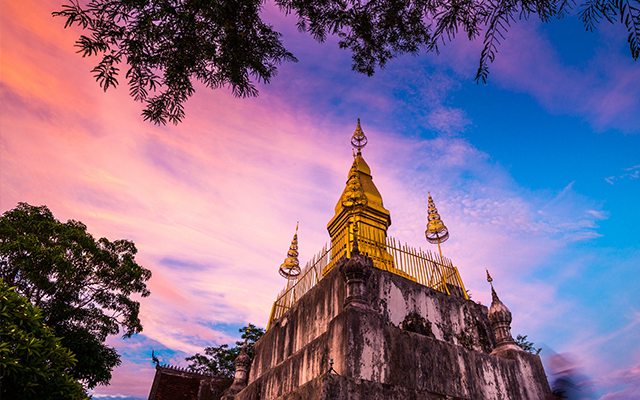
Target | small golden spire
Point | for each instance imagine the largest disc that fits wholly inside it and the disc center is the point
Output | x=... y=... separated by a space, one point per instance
x=358 y=140
x=489 y=278
x=436 y=231
x=290 y=268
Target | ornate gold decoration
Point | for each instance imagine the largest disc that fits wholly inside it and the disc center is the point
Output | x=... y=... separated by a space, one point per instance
x=358 y=140
x=436 y=231
x=360 y=204
x=421 y=266
x=354 y=195
x=290 y=268
x=489 y=278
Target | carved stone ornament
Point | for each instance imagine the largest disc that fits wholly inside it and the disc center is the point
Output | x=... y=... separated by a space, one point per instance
x=355 y=273
x=500 y=319
x=242 y=363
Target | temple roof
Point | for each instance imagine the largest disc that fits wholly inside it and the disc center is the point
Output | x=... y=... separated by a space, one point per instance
x=174 y=383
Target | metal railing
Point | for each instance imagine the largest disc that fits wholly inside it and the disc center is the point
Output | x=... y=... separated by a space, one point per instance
x=421 y=266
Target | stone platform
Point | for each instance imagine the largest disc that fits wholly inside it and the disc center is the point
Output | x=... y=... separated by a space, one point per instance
x=405 y=341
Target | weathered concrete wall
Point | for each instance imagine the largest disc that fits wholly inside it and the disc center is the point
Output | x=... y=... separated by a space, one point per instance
x=449 y=318
x=378 y=354
x=303 y=366
x=385 y=354
x=308 y=319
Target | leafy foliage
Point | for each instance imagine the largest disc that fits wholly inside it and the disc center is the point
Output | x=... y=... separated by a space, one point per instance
x=527 y=345
x=33 y=363
x=82 y=285
x=169 y=43
x=219 y=360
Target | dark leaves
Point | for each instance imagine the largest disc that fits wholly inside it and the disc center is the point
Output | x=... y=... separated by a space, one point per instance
x=167 y=44
x=82 y=285
x=106 y=72
x=593 y=11
x=526 y=345
x=219 y=360
x=225 y=43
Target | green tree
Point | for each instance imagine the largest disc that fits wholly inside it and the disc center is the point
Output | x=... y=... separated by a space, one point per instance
x=83 y=286
x=33 y=363
x=527 y=345
x=169 y=43
x=219 y=360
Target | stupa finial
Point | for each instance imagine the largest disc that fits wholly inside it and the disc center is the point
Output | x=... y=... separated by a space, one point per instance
x=500 y=318
x=436 y=231
x=358 y=140
x=290 y=268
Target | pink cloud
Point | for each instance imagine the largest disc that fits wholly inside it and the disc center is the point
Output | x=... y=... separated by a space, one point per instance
x=131 y=379
x=220 y=194
x=628 y=382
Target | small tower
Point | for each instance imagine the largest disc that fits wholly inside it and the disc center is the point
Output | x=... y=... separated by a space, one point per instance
x=242 y=364
x=355 y=273
x=500 y=319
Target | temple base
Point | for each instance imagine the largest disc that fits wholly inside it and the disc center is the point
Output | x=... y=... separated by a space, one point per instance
x=375 y=358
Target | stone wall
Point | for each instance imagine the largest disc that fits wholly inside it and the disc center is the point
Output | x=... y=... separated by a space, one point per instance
x=411 y=342
x=448 y=318
x=388 y=355
x=307 y=320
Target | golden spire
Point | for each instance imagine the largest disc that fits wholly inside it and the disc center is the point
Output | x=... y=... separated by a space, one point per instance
x=359 y=210
x=360 y=190
x=290 y=268
x=358 y=140
x=489 y=278
x=436 y=231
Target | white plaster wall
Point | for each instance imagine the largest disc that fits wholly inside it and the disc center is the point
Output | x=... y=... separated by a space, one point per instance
x=447 y=323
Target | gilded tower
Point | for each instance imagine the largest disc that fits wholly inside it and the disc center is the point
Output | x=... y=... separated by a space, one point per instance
x=360 y=211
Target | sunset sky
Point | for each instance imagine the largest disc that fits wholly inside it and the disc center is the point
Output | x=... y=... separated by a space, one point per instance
x=535 y=174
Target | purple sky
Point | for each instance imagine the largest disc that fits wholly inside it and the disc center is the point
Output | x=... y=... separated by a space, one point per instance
x=535 y=174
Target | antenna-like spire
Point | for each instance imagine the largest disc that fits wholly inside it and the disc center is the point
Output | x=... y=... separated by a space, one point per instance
x=290 y=268
x=358 y=140
x=436 y=231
